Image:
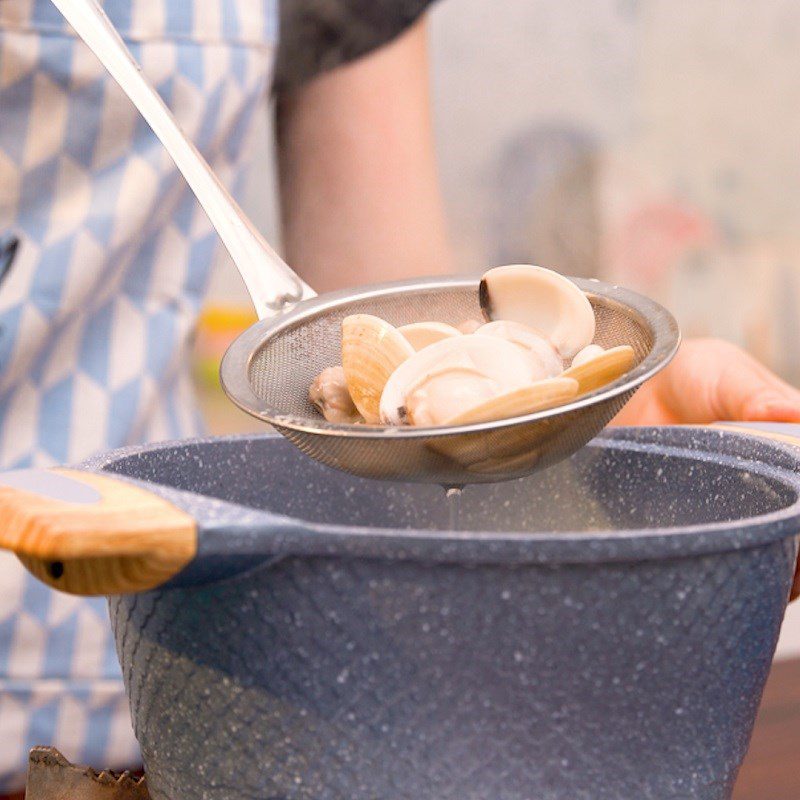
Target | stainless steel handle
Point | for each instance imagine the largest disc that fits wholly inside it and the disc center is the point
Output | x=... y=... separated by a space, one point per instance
x=270 y=281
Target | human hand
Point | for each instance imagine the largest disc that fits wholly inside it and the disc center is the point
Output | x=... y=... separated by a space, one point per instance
x=711 y=380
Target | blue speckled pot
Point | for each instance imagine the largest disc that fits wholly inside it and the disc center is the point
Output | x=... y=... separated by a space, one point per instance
x=601 y=631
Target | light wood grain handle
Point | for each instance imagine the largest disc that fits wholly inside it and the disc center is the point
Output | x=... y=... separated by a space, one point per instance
x=92 y=534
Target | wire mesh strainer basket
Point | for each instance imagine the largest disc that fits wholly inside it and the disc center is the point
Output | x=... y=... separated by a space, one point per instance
x=268 y=369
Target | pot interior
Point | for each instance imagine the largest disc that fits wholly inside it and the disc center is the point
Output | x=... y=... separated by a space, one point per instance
x=643 y=478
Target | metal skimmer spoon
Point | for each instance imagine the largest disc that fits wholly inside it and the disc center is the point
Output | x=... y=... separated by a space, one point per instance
x=268 y=369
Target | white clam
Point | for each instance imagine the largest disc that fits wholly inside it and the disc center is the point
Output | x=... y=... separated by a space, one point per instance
x=445 y=378
x=544 y=360
x=512 y=446
x=601 y=368
x=587 y=354
x=372 y=349
x=329 y=393
x=423 y=334
x=432 y=373
x=446 y=394
x=541 y=299
x=470 y=325
x=528 y=399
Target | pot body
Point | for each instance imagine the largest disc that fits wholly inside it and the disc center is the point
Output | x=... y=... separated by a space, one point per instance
x=336 y=678
x=600 y=631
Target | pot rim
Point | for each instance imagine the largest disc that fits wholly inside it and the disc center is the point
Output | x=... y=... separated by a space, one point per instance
x=771 y=460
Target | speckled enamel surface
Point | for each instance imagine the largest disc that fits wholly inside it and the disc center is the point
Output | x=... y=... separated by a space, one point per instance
x=600 y=631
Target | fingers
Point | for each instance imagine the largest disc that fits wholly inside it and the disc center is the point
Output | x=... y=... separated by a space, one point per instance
x=711 y=380
x=747 y=390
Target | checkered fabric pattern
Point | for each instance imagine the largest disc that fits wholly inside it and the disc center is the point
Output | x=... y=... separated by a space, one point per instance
x=97 y=308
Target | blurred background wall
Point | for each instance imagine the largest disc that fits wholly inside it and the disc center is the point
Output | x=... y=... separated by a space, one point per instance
x=652 y=142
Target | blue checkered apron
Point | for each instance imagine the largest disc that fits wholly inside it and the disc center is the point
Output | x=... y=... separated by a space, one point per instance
x=98 y=305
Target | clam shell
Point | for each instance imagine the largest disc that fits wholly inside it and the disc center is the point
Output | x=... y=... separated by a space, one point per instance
x=514 y=447
x=507 y=449
x=541 y=299
x=470 y=325
x=587 y=354
x=331 y=397
x=537 y=396
x=372 y=349
x=602 y=369
x=485 y=357
x=545 y=361
x=446 y=394
x=422 y=334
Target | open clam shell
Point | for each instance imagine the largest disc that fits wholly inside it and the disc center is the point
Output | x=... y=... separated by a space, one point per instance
x=503 y=451
x=545 y=361
x=587 y=354
x=451 y=375
x=372 y=349
x=541 y=299
x=329 y=393
x=423 y=334
x=537 y=396
x=510 y=448
x=602 y=368
x=470 y=325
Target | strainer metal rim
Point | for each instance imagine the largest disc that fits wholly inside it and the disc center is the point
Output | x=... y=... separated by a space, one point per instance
x=235 y=366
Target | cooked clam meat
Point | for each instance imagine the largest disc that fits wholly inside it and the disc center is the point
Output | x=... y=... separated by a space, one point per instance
x=443 y=396
x=329 y=393
x=430 y=373
x=545 y=361
x=448 y=377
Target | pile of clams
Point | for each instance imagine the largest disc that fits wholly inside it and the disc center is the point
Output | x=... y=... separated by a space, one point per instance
x=513 y=363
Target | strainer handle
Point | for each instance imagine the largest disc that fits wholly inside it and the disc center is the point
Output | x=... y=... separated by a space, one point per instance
x=270 y=281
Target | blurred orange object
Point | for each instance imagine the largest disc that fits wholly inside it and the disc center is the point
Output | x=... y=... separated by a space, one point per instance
x=217 y=327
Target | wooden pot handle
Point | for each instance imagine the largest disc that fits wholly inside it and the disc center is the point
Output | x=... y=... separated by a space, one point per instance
x=91 y=534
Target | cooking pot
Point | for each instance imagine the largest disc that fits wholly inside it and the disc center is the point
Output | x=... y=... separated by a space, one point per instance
x=602 y=630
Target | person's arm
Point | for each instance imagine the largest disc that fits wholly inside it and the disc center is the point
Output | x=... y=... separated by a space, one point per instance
x=359 y=190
